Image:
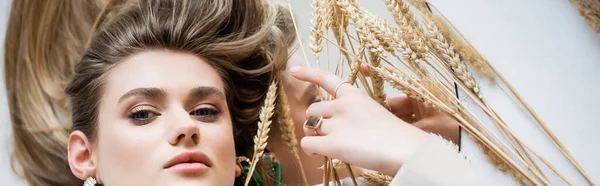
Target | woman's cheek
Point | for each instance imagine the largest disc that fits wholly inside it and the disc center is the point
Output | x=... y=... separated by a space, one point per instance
x=125 y=149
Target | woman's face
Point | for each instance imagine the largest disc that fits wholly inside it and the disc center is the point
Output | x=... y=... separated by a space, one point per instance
x=164 y=120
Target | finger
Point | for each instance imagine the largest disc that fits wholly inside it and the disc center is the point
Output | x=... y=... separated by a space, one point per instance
x=365 y=70
x=320 y=109
x=328 y=81
x=314 y=145
x=324 y=127
x=311 y=132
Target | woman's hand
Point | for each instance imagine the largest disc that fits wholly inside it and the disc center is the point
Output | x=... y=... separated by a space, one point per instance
x=425 y=118
x=355 y=128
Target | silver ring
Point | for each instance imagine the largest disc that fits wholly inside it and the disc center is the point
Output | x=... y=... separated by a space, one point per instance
x=338 y=87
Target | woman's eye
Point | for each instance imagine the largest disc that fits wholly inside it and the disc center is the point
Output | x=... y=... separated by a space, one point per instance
x=142 y=115
x=205 y=112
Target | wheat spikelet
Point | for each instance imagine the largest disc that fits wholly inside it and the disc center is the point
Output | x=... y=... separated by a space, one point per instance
x=338 y=25
x=382 y=31
x=377 y=81
x=373 y=32
x=477 y=61
x=590 y=11
x=349 y=10
x=355 y=65
x=374 y=49
x=410 y=28
x=376 y=178
x=316 y=28
x=388 y=39
x=288 y=129
x=328 y=13
x=264 y=126
x=335 y=163
x=403 y=84
x=398 y=8
x=286 y=124
x=450 y=56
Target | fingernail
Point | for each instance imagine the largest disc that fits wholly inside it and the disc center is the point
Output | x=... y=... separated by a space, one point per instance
x=295 y=69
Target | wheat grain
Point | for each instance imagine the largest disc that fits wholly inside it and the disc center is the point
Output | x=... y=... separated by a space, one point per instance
x=316 y=28
x=264 y=126
x=377 y=81
x=450 y=56
x=476 y=61
x=376 y=178
x=410 y=27
x=335 y=163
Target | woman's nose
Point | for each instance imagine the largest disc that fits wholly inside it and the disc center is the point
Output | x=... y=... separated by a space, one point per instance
x=186 y=130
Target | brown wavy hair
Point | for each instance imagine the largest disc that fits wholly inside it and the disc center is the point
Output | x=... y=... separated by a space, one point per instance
x=240 y=39
x=44 y=41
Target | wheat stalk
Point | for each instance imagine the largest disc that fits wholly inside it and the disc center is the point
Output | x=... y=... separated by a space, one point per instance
x=376 y=178
x=451 y=57
x=446 y=50
x=437 y=104
x=264 y=126
x=411 y=45
x=540 y=122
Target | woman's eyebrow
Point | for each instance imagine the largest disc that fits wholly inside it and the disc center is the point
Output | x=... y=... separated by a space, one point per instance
x=151 y=93
x=205 y=91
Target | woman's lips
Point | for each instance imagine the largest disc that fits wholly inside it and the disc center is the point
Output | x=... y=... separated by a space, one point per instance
x=187 y=162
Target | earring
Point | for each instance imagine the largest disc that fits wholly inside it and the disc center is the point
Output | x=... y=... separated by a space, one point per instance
x=89 y=182
x=242 y=161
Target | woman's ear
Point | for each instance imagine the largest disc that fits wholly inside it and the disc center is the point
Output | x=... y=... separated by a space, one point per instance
x=238 y=169
x=80 y=156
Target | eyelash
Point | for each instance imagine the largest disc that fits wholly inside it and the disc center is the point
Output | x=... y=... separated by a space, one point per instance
x=213 y=114
x=138 y=110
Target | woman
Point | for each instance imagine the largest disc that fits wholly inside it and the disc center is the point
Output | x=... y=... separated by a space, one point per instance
x=164 y=82
x=83 y=162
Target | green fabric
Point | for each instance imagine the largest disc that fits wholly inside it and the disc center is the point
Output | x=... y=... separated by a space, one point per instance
x=258 y=180
x=277 y=167
x=255 y=176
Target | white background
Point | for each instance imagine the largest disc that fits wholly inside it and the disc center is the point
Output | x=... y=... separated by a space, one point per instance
x=543 y=47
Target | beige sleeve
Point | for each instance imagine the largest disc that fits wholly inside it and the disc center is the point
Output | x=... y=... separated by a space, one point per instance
x=436 y=163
